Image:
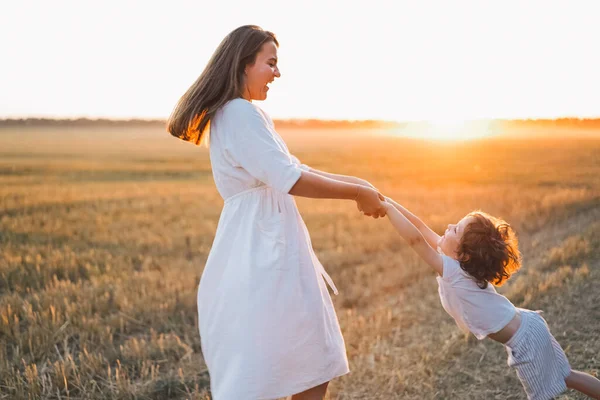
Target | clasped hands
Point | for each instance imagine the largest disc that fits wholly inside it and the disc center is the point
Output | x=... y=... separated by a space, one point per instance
x=370 y=202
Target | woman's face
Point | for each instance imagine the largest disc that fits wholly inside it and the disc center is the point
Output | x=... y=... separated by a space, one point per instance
x=261 y=73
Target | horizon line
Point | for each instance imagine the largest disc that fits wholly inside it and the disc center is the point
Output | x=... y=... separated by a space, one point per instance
x=300 y=119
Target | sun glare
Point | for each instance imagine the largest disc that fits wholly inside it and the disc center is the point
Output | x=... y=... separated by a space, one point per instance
x=448 y=129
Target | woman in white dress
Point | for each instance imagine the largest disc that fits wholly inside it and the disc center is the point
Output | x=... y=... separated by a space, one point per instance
x=267 y=324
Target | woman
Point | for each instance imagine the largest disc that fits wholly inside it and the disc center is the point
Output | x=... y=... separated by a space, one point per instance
x=267 y=324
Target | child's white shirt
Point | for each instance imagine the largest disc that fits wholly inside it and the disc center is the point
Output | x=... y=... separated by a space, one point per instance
x=480 y=311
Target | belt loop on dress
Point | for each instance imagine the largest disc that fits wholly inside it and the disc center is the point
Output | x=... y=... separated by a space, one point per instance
x=323 y=273
x=328 y=279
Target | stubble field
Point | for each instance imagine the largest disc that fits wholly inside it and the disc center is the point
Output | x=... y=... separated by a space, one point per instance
x=104 y=233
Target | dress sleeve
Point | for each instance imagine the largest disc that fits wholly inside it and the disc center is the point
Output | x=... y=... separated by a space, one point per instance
x=296 y=161
x=252 y=146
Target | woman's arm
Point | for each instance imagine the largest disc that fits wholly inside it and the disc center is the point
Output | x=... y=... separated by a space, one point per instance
x=429 y=235
x=317 y=186
x=343 y=178
x=348 y=179
x=415 y=239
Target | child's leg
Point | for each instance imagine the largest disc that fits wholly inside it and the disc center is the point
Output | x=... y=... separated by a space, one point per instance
x=584 y=383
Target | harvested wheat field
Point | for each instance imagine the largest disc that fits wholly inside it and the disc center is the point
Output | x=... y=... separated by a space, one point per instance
x=104 y=233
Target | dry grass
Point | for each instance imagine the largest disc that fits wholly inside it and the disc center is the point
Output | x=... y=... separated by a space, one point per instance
x=104 y=234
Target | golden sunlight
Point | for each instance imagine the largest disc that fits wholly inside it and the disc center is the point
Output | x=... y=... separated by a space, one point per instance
x=448 y=129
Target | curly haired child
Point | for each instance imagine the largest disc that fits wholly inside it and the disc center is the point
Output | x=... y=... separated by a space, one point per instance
x=472 y=256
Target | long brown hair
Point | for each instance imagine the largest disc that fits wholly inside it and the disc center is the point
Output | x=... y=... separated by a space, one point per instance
x=489 y=250
x=222 y=80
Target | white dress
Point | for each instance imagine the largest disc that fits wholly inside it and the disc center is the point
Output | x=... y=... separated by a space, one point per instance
x=268 y=328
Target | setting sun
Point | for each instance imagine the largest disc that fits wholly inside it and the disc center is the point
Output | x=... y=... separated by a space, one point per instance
x=448 y=129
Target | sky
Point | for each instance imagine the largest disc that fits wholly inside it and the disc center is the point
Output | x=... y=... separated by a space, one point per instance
x=390 y=60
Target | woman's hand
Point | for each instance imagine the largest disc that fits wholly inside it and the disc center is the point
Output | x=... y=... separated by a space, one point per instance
x=367 y=184
x=369 y=201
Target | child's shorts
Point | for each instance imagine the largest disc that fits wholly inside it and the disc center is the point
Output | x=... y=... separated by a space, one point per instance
x=541 y=363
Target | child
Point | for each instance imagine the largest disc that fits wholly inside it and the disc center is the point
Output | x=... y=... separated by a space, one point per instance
x=473 y=253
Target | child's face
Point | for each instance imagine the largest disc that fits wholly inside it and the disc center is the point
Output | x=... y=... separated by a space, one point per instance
x=451 y=238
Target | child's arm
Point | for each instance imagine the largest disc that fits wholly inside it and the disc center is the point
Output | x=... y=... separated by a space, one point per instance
x=429 y=235
x=415 y=239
